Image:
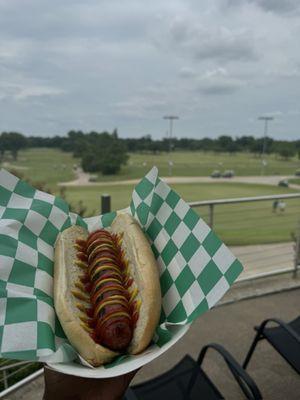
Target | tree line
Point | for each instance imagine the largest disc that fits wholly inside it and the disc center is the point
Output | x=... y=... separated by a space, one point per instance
x=106 y=152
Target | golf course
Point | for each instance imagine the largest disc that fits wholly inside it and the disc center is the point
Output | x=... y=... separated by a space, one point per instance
x=237 y=224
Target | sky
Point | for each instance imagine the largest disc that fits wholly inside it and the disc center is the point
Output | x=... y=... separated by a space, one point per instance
x=103 y=64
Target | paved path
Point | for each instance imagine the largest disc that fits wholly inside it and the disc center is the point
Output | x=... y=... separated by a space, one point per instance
x=12 y=166
x=83 y=180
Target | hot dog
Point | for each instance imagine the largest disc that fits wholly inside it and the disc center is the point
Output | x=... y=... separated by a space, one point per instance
x=106 y=289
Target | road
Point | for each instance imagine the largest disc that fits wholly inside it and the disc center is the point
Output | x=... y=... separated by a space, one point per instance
x=83 y=179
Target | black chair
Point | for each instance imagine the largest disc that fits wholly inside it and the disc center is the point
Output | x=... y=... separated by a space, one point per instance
x=284 y=337
x=187 y=380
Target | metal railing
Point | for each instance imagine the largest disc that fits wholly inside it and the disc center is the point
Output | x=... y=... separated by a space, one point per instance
x=9 y=369
x=289 y=256
x=287 y=252
x=5 y=368
x=212 y=203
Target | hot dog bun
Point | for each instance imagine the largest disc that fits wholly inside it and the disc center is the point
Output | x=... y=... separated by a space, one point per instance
x=142 y=268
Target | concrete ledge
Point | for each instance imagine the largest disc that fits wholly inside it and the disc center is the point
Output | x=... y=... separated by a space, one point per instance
x=261 y=287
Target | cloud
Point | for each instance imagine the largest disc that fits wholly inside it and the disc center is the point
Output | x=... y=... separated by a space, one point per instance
x=207 y=42
x=14 y=50
x=137 y=107
x=289 y=69
x=224 y=46
x=187 y=72
x=22 y=92
x=275 y=6
x=37 y=91
x=273 y=114
x=145 y=105
x=111 y=21
x=294 y=112
x=218 y=82
x=278 y=6
x=104 y=64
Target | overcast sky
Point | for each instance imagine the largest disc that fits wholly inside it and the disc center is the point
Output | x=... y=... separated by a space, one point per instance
x=100 y=65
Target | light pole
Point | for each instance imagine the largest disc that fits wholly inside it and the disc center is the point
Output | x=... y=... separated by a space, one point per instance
x=171 y=118
x=266 y=119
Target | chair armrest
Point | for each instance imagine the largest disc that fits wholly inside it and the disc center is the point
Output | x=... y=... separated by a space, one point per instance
x=282 y=324
x=130 y=395
x=244 y=380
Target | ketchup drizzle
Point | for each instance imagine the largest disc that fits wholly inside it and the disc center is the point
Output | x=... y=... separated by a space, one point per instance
x=102 y=249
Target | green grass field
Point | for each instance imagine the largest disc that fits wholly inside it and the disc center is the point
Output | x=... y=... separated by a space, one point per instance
x=121 y=194
x=203 y=164
x=236 y=224
x=43 y=165
x=295 y=181
x=53 y=165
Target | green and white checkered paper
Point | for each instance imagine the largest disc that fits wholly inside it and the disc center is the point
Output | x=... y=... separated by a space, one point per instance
x=196 y=268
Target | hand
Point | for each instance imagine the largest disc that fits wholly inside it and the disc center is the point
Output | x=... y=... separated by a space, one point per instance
x=59 y=386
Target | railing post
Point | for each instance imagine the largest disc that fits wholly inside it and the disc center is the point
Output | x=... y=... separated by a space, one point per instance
x=105 y=203
x=211 y=215
x=297 y=250
x=5 y=379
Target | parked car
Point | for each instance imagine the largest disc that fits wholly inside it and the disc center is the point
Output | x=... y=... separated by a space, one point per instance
x=283 y=183
x=93 y=178
x=229 y=173
x=216 y=174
